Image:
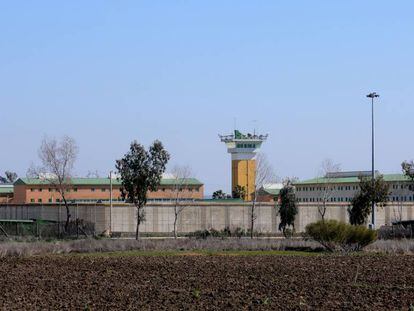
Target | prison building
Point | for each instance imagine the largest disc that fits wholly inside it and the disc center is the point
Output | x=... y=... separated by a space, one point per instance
x=341 y=187
x=269 y=192
x=6 y=193
x=84 y=190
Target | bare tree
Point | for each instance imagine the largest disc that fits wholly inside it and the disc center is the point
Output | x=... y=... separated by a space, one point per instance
x=181 y=175
x=263 y=174
x=326 y=183
x=93 y=174
x=57 y=161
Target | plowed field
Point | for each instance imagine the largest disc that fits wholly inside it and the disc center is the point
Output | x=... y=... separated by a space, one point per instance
x=366 y=282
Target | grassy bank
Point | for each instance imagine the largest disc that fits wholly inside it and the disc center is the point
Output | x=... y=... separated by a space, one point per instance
x=166 y=246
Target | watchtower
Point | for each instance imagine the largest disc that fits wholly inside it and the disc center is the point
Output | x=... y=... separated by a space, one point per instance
x=243 y=149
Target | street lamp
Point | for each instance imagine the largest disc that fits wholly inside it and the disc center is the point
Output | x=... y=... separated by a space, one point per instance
x=372 y=96
x=110 y=202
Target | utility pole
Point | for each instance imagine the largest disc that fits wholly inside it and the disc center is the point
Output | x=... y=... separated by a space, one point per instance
x=110 y=202
x=372 y=96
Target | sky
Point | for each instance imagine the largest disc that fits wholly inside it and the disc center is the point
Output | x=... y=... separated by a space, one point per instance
x=109 y=72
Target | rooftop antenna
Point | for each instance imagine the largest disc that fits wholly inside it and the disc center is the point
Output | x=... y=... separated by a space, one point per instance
x=254 y=126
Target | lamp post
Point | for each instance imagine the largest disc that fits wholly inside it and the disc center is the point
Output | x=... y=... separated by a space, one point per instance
x=110 y=202
x=372 y=96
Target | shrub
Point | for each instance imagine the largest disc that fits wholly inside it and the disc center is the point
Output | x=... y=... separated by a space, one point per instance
x=213 y=233
x=335 y=235
x=395 y=232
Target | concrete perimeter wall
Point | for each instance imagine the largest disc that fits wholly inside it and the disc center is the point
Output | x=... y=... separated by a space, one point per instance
x=195 y=216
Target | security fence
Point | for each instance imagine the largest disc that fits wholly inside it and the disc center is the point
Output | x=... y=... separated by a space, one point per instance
x=121 y=218
x=46 y=229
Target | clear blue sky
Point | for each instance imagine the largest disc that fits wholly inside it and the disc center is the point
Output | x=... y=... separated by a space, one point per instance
x=108 y=72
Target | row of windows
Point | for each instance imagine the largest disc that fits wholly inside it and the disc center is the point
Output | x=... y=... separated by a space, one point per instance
x=245 y=145
x=402 y=187
x=340 y=188
x=346 y=199
x=50 y=200
x=104 y=189
x=402 y=198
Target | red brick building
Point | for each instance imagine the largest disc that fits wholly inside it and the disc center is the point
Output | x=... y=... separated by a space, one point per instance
x=35 y=190
x=6 y=193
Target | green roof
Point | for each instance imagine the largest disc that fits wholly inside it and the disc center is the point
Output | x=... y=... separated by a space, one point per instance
x=272 y=191
x=102 y=181
x=344 y=180
x=8 y=188
x=229 y=200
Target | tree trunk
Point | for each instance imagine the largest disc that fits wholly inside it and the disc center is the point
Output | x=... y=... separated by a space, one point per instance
x=323 y=211
x=252 y=220
x=175 y=225
x=67 y=213
x=176 y=212
x=175 y=219
x=137 y=235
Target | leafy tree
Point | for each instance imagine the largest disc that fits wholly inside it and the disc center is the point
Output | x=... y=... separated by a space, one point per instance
x=360 y=207
x=288 y=209
x=10 y=177
x=239 y=192
x=408 y=170
x=219 y=194
x=141 y=171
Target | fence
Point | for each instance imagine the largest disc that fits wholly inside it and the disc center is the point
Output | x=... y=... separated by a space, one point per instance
x=195 y=216
x=46 y=229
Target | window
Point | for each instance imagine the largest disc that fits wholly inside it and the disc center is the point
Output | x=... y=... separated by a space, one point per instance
x=50 y=200
x=32 y=200
x=67 y=190
x=57 y=200
x=50 y=190
x=40 y=189
x=163 y=189
x=103 y=189
x=31 y=189
x=39 y=200
x=93 y=189
x=75 y=189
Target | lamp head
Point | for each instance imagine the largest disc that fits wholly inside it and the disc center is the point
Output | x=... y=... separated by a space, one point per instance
x=372 y=95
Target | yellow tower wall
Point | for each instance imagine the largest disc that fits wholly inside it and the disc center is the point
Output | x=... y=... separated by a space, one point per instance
x=244 y=174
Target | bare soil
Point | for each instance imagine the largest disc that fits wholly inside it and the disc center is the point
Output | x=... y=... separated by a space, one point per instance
x=363 y=282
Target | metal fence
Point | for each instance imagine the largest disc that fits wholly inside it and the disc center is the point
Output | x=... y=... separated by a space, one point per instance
x=46 y=229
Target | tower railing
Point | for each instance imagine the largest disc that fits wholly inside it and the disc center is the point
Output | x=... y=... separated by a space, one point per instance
x=229 y=138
